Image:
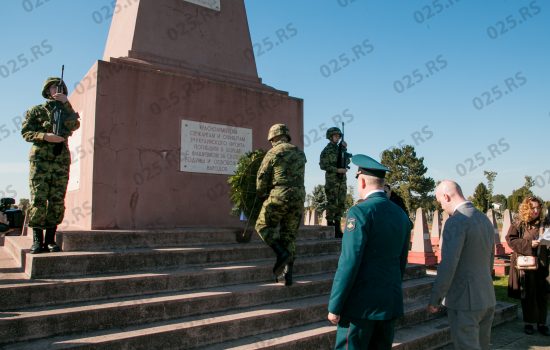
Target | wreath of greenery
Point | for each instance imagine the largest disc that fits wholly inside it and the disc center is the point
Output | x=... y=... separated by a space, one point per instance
x=243 y=186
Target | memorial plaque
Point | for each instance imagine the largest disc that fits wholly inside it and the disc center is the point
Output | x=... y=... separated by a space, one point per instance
x=211 y=4
x=212 y=148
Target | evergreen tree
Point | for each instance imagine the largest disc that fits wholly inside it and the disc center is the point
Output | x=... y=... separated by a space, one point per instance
x=407 y=177
x=349 y=198
x=319 y=199
x=501 y=200
x=517 y=196
x=490 y=175
x=481 y=194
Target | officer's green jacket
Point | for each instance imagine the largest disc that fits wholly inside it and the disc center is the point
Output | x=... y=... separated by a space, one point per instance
x=367 y=284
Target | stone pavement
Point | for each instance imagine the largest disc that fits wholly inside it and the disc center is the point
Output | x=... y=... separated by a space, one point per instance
x=510 y=336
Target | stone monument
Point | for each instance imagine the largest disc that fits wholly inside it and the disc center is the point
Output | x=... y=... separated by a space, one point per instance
x=165 y=116
x=421 y=250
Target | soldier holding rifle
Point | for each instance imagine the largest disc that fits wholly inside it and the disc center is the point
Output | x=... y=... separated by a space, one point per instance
x=335 y=162
x=47 y=127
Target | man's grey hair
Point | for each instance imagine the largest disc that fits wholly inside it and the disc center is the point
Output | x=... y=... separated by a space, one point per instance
x=374 y=181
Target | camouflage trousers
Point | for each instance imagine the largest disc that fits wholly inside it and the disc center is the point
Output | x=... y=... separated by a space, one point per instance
x=335 y=191
x=283 y=209
x=48 y=185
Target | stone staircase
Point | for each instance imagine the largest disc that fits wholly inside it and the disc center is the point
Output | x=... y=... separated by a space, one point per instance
x=186 y=289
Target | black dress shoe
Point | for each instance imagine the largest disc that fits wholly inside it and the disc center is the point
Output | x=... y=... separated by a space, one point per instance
x=543 y=329
x=529 y=329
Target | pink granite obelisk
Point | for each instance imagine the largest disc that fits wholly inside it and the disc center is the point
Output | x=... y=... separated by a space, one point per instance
x=421 y=251
x=166 y=114
x=436 y=228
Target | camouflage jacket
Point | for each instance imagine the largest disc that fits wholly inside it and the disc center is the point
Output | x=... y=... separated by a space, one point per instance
x=283 y=165
x=329 y=156
x=39 y=120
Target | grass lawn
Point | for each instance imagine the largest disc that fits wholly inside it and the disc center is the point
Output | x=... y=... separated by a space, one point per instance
x=501 y=291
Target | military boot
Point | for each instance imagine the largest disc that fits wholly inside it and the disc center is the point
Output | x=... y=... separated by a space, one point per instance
x=338 y=229
x=37 y=238
x=283 y=256
x=288 y=274
x=49 y=242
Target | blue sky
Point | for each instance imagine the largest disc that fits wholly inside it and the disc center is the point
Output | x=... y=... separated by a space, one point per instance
x=466 y=82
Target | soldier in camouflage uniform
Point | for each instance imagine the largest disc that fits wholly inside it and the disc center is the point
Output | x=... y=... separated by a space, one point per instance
x=49 y=162
x=335 y=180
x=280 y=181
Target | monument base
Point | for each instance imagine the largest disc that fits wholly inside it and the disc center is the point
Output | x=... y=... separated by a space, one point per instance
x=427 y=259
x=130 y=157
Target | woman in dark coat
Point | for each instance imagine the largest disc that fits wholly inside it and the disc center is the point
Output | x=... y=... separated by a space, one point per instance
x=529 y=285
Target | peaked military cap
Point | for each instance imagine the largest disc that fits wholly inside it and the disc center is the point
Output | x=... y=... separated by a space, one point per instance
x=369 y=166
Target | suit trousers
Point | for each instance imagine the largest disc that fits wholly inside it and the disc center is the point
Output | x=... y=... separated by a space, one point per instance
x=365 y=334
x=471 y=330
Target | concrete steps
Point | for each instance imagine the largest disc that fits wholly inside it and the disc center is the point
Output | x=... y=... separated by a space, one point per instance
x=85 y=316
x=92 y=263
x=430 y=334
x=124 y=239
x=436 y=333
x=33 y=293
x=184 y=289
x=257 y=305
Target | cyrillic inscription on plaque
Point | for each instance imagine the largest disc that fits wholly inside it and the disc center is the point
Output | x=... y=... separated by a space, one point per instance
x=211 y=4
x=212 y=148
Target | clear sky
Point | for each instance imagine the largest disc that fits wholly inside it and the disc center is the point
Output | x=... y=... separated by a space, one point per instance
x=465 y=82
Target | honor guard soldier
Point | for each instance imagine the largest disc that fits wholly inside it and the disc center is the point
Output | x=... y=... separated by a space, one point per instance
x=335 y=179
x=47 y=127
x=366 y=296
x=280 y=183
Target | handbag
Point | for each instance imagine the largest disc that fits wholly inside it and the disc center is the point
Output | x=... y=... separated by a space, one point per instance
x=524 y=262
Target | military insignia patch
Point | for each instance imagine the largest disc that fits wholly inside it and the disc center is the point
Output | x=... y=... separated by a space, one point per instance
x=350 y=224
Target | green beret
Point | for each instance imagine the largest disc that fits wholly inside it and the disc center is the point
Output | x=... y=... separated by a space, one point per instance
x=49 y=82
x=369 y=166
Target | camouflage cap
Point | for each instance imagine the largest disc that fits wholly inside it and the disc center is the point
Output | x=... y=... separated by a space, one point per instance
x=278 y=130
x=369 y=166
x=332 y=131
x=52 y=81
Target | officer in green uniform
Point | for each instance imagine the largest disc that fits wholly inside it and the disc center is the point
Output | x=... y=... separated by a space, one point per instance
x=335 y=180
x=49 y=161
x=366 y=295
x=280 y=181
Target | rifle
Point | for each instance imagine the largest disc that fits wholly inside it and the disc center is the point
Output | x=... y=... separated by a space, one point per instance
x=58 y=113
x=58 y=116
x=343 y=155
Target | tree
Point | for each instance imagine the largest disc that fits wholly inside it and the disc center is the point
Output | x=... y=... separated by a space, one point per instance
x=349 y=198
x=319 y=199
x=407 y=177
x=519 y=194
x=480 y=198
x=490 y=175
x=309 y=201
x=501 y=200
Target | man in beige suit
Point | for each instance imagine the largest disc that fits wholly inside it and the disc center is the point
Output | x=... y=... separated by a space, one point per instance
x=464 y=283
